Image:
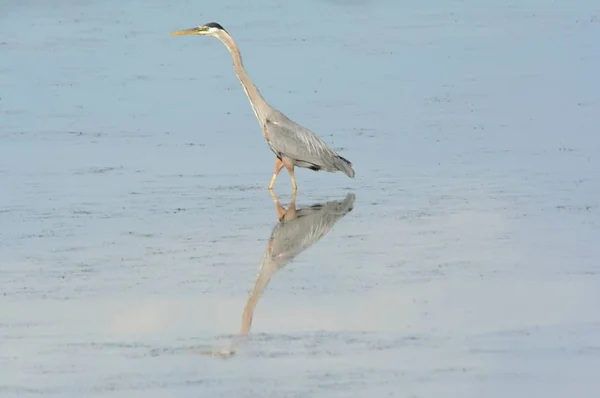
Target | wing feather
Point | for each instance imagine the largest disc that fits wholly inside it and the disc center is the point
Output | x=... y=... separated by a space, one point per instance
x=300 y=144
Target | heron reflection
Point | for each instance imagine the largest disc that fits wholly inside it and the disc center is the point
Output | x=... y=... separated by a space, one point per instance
x=296 y=231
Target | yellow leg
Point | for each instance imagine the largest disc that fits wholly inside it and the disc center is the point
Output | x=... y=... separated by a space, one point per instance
x=294 y=186
x=290 y=169
x=278 y=167
x=272 y=181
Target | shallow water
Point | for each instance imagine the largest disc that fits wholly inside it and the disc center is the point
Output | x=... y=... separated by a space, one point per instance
x=138 y=239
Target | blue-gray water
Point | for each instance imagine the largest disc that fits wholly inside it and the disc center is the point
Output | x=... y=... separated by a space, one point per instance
x=134 y=210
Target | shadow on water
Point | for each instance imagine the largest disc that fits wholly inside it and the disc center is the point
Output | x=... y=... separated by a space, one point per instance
x=296 y=231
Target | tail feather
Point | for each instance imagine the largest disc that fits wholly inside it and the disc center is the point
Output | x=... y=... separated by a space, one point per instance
x=344 y=166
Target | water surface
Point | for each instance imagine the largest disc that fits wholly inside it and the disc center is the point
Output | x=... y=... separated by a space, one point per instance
x=138 y=238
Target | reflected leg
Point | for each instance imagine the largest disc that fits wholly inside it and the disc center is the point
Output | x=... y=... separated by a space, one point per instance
x=291 y=211
x=278 y=207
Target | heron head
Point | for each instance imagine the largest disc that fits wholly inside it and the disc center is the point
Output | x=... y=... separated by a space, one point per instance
x=209 y=29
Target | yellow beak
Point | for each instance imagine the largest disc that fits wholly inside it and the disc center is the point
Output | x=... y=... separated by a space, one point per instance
x=192 y=31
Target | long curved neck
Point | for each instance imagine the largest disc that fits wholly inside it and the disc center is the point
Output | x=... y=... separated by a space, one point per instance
x=258 y=103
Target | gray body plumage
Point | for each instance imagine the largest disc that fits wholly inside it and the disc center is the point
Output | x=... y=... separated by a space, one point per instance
x=287 y=139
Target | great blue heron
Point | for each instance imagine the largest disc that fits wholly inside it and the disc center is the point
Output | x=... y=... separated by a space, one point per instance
x=293 y=144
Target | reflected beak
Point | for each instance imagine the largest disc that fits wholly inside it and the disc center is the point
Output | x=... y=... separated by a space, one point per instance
x=192 y=31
